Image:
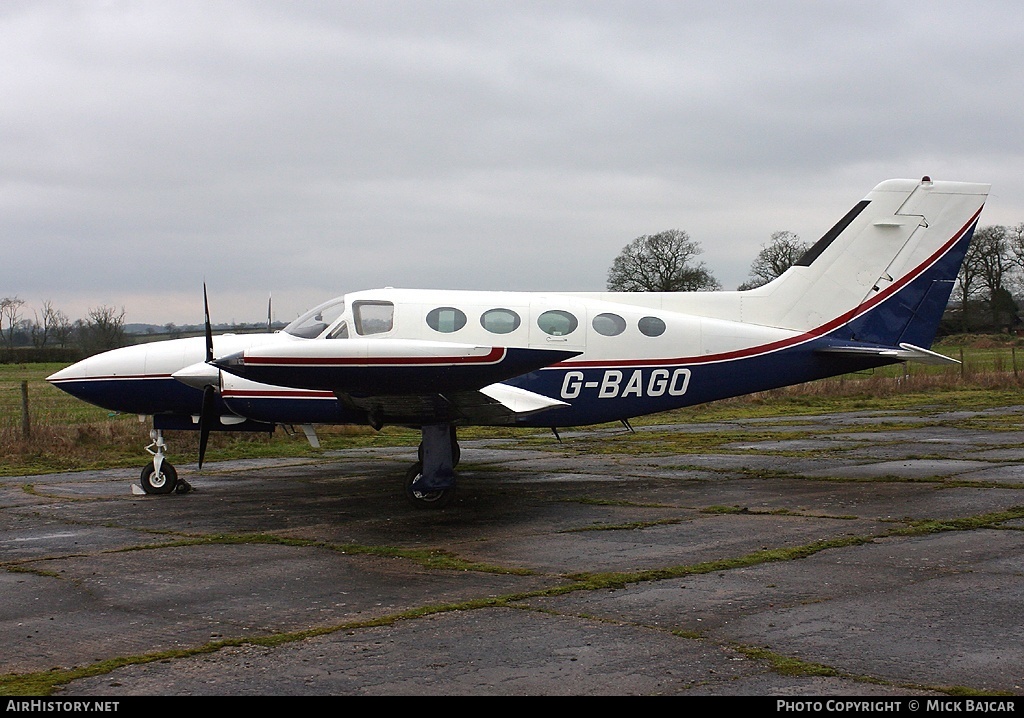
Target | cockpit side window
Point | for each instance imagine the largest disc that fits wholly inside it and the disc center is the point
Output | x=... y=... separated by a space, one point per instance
x=339 y=332
x=313 y=323
x=373 y=317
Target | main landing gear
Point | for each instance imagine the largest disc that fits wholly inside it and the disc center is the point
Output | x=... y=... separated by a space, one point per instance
x=430 y=482
x=159 y=476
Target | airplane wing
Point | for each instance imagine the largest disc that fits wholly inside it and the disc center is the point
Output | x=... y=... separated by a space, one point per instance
x=494 y=405
x=413 y=382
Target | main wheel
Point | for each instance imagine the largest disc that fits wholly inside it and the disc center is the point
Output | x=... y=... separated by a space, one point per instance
x=162 y=482
x=456 y=452
x=428 y=499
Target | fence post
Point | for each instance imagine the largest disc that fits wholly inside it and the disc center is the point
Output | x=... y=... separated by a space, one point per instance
x=26 y=425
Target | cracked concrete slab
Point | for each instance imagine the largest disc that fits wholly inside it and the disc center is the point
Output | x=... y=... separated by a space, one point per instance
x=554 y=572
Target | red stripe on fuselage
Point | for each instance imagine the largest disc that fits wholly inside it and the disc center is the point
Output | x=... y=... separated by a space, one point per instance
x=111 y=377
x=289 y=394
x=496 y=355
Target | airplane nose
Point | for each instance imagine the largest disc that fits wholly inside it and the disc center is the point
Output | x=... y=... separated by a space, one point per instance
x=138 y=379
x=102 y=379
x=68 y=372
x=116 y=363
x=89 y=369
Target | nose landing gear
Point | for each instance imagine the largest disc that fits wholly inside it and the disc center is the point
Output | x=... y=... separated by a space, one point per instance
x=160 y=476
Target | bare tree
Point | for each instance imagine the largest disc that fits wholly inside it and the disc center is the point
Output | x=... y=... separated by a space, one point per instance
x=102 y=330
x=779 y=254
x=662 y=262
x=1015 y=245
x=968 y=282
x=62 y=328
x=10 y=314
x=991 y=243
x=984 y=276
x=45 y=324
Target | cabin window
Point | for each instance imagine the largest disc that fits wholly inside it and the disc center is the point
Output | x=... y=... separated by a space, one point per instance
x=610 y=325
x=373 y=317
x=339 y=332
x=500 y=321
x=651 y=326
x=446 y=319
x=557 y=323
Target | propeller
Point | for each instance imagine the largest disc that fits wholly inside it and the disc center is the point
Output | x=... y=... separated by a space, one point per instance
x=209 y=327
x=207 y=414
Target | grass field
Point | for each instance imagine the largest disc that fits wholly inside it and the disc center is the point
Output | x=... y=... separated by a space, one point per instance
x=66 y=434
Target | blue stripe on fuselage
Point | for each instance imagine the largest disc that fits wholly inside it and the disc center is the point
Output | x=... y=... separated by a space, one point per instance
x=136 y=395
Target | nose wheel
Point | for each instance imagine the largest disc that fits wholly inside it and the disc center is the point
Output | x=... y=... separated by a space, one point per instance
x=159 y=481
x=159 y=476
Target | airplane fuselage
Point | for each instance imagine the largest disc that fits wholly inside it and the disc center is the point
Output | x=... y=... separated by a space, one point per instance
x=626 y=360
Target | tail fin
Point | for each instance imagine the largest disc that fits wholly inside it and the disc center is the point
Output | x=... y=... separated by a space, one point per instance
x=884 y=273
x=881 y=276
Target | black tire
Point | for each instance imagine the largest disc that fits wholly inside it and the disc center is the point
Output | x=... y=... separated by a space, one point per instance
x=159 y=483
x=436 y=499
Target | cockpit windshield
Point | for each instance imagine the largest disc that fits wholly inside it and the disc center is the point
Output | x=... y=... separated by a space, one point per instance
x=313 y=323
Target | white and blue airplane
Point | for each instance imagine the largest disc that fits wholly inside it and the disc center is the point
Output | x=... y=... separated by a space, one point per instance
x=870 y=292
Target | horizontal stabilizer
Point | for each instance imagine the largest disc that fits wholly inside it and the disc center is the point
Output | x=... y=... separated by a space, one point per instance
x=904 y=352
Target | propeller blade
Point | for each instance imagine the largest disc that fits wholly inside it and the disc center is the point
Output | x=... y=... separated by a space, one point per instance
x=207 y=415
x=209 y=328
x=270 y=306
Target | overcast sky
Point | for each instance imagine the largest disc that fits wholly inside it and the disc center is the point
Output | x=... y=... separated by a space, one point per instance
x=306 y=149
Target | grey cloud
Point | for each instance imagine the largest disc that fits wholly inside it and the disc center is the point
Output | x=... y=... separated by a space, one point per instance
x=308 y=148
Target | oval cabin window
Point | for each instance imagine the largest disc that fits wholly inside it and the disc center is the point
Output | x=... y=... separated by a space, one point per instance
x=446 y=319
x=651 y=326
x=609 y=325
x=557 y=323
x=500 y=321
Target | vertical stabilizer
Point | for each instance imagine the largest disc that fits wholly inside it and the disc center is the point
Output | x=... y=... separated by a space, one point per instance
x=884 y=273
